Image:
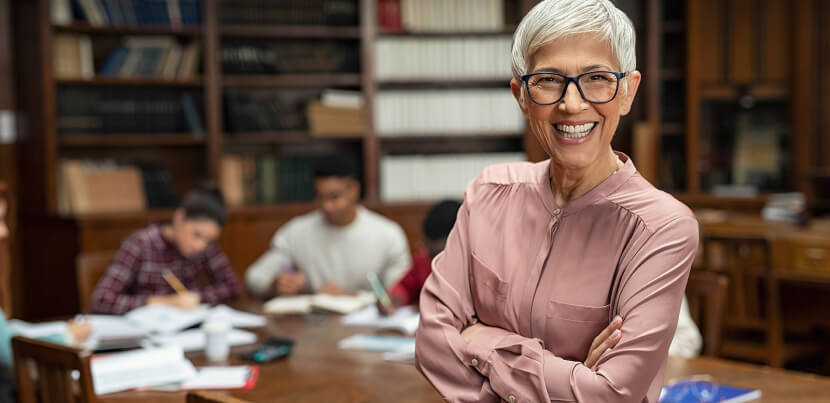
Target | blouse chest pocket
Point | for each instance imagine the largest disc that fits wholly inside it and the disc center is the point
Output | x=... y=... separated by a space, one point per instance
x=489 y=293
x=570 y=329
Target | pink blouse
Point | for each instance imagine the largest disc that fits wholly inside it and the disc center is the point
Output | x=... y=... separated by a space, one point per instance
x=548 y=279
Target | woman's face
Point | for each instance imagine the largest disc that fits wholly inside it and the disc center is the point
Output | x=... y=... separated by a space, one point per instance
x=193 y=235
x=592 y=126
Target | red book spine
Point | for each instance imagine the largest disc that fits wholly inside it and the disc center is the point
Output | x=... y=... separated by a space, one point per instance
x=389 y=15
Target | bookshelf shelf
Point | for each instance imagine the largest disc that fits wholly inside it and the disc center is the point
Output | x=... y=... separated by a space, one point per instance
x=455 y=34
x=284 y=137
x=450 y=137
x=130 y=140
x=131 y=81
x=117 y=30
x=445 y=83
x=261 y=31
x=291 y=80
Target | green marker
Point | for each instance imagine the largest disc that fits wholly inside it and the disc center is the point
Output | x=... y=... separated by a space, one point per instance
x=380 y=291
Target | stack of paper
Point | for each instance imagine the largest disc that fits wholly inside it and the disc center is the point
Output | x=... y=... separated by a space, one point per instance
x=235 y=318
x=166 y=319
x=140 y=368
x=304 y=303
x=371 y=342
x=405 y=319
x=195 y=339
x=107 y=331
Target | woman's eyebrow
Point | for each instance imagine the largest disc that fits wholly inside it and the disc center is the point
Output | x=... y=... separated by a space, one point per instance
x=547 y=69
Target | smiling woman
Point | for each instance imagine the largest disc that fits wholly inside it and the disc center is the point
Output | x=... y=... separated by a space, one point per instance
x=561 y=280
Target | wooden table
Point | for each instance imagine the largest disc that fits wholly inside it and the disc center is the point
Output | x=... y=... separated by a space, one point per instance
x=318 y=371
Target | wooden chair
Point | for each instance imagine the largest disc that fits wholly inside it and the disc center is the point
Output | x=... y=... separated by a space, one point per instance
x=5 y=260
x=706 y=293
x=203 y=396
x=91 y=267
x=54 y=365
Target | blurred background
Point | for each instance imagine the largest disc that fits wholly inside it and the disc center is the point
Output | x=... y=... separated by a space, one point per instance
x=111 y=110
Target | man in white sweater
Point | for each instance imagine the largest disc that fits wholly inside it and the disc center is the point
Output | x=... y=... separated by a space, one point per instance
x=332 y=249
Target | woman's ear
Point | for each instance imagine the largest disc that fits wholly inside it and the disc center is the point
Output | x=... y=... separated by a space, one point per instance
x=516 y=87
x=632 y=80
x=178 y=216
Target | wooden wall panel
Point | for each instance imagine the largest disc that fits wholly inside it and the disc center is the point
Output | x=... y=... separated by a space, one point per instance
x=776 y=34
x=706 y=39
x=824 y=110
x=742 y=42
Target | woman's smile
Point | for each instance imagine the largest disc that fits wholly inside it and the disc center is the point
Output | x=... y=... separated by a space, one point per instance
x=570 y=132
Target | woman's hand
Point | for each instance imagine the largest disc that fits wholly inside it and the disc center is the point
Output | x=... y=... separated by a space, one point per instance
x=79 y=330
x=470 y=332
x=604 y=341
x=185 y=301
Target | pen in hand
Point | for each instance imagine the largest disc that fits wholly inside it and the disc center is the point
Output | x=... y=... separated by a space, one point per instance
x=380 y=292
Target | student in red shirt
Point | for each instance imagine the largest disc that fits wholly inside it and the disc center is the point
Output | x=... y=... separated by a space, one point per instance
x=437 y=225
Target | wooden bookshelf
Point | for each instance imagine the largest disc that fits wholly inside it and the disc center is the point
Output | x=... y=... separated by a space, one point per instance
x=291 y=80
x=130 y=140
x=508 y=30
x=131 y=81
x=120 y=30
x=327 y=32
x=446 y=83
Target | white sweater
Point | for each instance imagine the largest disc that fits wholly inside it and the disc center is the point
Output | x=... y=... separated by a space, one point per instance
x=330 y=254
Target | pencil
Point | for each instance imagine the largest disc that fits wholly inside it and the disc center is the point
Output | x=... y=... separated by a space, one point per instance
x=174 y=282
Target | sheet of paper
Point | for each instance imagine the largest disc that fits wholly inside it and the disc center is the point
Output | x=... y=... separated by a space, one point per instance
x=219 y=378
x=404 y=354
x=166 y=319
x=139 y=368
x=195 y=339
x=107 y=329
x=405 y=319
x=371 y=342
x=236 y=318
x=287 y=305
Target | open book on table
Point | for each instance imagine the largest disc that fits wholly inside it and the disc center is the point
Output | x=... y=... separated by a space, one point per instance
x=139 y=368
x=405 y=319
x=299 y=304
x=167 y=319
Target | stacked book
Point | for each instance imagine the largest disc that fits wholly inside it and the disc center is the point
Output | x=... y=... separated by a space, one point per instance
x=454 y=58
x=338 y=113
x=441 y=15
x=289 y=56
x=289 y=12
x=161 y=57
x=174 y=13
x=251 y=179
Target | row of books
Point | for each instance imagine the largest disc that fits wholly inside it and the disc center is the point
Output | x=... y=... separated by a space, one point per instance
x=456 y=111
x=461 y=58
x=289 y=12
x=441 y=15
x=173 y=13
x=252 y=110
x=289 y=56
x=113 y=110
x=162 y=57
x=434 y=177
x=95 y=186
x=251 y=179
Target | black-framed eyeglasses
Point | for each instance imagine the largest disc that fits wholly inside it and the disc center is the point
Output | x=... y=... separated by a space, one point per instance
x=596 y=87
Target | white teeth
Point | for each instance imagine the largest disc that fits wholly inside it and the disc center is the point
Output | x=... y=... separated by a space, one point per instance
x=575 y=131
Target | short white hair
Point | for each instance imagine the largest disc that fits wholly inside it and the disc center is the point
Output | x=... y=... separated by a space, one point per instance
x=554 y=19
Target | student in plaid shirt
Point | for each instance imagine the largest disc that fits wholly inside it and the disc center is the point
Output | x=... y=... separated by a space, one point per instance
x=185 y=246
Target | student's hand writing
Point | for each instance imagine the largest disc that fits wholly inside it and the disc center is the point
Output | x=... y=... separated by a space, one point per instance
x=604 y=341
x=289 y=283
x=186 y=300
x=333 y=289
x=389 y=310
x=79 y=330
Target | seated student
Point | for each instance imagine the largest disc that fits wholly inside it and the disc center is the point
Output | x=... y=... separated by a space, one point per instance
x=185 y=246
x=333 y=248
x=77 y=331
x=437 y=225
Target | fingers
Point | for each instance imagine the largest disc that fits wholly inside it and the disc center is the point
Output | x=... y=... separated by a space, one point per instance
x=290 y=283
x=596 y=353
x=615 y=324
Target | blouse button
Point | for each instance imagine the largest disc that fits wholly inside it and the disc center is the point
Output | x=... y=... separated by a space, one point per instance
x=557 y=211
x=474 y=362
x=511 y=399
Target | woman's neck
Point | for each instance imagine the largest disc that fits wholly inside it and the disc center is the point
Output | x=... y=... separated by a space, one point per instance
x=569 y=184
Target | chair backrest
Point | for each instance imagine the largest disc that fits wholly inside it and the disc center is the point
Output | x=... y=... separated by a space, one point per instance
x=706 y=293
x=203 y=396
x=54 y=364
x=5 y=260
x=91 y=266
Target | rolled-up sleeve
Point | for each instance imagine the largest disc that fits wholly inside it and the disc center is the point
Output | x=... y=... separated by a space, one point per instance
x=650 y=291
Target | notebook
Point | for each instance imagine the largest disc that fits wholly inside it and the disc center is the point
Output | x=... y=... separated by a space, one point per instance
x=405 y=319
x=165 y=319
x=195 y=339
x=235 y=377
x=301 y=304
x=370 y=342
x=139 y=368
x=701 y=391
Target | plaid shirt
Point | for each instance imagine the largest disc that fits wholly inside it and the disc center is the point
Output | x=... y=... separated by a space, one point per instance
x=136 y=273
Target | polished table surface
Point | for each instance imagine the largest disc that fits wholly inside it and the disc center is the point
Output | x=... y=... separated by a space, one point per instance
x=318 y=371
